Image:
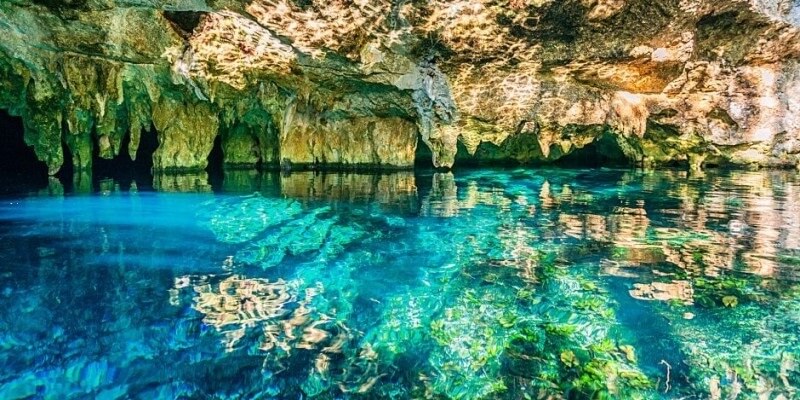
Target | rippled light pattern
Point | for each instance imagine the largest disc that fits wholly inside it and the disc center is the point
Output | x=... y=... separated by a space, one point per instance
x=485 y=284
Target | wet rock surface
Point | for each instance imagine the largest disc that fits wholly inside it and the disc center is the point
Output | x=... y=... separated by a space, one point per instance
x=309 y=84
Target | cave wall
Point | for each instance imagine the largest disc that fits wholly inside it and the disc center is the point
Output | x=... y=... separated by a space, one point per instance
x=310 y=83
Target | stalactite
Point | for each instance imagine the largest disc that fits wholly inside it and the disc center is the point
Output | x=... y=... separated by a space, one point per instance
x=306 y=86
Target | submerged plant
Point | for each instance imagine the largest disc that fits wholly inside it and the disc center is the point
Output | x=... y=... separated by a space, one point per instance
x=568 y=358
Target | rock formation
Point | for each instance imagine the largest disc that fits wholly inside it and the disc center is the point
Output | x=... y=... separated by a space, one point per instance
x=366 y=82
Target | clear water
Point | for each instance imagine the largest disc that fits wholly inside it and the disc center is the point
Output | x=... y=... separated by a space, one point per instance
x=479 y=284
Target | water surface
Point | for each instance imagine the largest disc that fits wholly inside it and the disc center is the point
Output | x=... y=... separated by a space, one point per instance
x=516 y=284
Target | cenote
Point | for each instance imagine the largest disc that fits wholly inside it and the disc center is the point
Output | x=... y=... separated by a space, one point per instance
x=391 y=199
x=520 y=283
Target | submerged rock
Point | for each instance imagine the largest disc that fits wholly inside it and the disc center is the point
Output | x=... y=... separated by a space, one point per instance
x=239 y=219
x=305 y=234
x=364 y=84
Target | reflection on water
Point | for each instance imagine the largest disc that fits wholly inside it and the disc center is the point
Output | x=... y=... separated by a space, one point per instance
x=475 y=284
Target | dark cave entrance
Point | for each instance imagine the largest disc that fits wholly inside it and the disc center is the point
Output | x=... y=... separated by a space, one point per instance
x=67 y=171
x=216 y=167
x=19 y=167
x=184 y=22
x=422 y=155
x=122 y=168
x=605 y=151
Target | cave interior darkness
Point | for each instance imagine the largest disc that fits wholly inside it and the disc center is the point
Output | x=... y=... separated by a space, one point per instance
x=17 y=160
x=23 y=171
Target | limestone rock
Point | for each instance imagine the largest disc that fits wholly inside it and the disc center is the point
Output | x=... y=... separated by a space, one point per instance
x=364 y=84
x=365 y=141
x=177 y=149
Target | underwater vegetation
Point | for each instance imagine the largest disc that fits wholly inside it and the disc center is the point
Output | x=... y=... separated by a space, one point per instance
x=492 y=284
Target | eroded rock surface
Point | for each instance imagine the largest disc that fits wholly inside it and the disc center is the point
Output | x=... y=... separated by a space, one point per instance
x=346 y=84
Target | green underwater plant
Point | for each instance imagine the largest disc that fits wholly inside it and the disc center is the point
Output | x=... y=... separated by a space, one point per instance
x=568 y=358
x=730 y=301
x=727 y=290
x=740 y=340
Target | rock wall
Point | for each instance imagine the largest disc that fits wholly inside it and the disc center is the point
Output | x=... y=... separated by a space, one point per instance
x=312 y=83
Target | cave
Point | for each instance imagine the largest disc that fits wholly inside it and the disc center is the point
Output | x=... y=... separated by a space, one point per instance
x=283 y=231
x=604 y=151
x=216 y=164
x=422 y=154
x=18 y=163
x=124 y=170
x=185 y=21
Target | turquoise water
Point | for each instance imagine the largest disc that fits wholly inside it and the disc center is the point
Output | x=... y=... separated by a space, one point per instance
x=524 y=284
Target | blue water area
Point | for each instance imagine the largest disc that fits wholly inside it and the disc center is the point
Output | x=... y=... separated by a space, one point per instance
x=515 y=283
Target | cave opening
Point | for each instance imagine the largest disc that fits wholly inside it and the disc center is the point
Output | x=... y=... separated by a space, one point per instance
x=66 y=173
x=20 y=168
x=184 y=21
x=124 y=170
x=604 y=151
x=422 y=155
x=487 y=155
x=215 y=167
